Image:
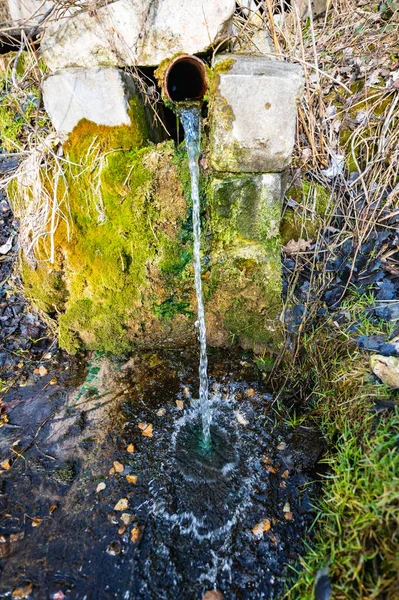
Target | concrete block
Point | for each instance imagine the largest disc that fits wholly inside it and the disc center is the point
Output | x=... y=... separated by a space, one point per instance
x=100 y=95
x=136 y=32
x=253 y=114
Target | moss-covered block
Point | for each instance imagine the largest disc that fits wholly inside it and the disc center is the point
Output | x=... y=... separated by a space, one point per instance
x=246 y=207
x=243 y=296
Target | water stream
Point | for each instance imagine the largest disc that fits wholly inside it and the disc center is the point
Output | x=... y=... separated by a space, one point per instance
x=191 y=118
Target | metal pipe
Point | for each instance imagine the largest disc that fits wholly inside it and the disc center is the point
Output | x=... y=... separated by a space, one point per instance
x=185 y=79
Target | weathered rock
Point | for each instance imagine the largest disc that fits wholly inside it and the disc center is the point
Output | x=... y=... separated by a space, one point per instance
x=27 y=13
x=253 y=114
x=386 y=368
x=247 y=207
x=100 y=95
x=136 y=32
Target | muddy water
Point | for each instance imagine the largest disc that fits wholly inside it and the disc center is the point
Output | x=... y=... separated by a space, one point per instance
x=189 y=519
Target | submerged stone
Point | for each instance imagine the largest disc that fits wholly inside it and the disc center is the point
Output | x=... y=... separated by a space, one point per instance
x=253 y=114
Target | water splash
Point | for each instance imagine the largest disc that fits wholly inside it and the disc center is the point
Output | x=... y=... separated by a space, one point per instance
x=190 y=118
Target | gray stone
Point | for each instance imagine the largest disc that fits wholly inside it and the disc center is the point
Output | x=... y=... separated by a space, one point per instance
x=253 y=114
x=27 y=13
x=136 y=32
x=100 y=95
x=246 y=207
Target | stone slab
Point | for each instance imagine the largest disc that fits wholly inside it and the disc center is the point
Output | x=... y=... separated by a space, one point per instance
x=253 y=114
x=100 y=95
x=136 y=32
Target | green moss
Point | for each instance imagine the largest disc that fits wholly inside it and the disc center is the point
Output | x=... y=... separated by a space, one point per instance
x=314 y=206
x=45 y=286
x=11 y=125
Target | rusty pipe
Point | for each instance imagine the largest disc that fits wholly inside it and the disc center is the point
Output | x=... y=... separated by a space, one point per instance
x=185 y=79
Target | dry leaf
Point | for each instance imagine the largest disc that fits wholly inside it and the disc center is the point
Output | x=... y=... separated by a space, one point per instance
x=147 y=432
x=118 y=467
x=130 y=448
x=142 y=426
x=300 y=246
x=6 y=464
x=240 y=418
x=111 y=471
x=131 y=479
x=42 y=371
x=52 y=508
x=180 y=404
x=213 y=595
x=36 y=521
x=267 y=460
x=387 y=369
x=53 y=381
x=101 y=486
x=250 y=392
x=286 y=507
x=122 y=504
x=23 y=592
x=271 y=469
x=289 y=516
x=135 y=534
x=126 y=518
x=282 y=446
x=285 y=474
x=122 y=530
x=261 y=527
x=160 y=412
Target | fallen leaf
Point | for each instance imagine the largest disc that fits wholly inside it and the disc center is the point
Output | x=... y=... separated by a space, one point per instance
x=42 y=371
x=131 y=479
x=126 y=518
x=250 y=392
x=261 y=527
x=283 y=484
x=286 y=507
x=267 y=460
x=118 y=467
x=36 y=521
x=240 y=418
x=180 y=404
x=122 y=530
x=160 y=412
x=7 y=246
x=387 y=369
x=213 y=595
x=6 y=464
x=130 y=448
x=282 y=446
x=285 y=474
x=101 y=486
x=122 y=504
x=135 y=534
x=111 y=471
x=52 y=508
x=147 y=432
x=271 y=469
x=53 y=381
x=142 y=426
x=16 y=537
x=23 y=592
x=292 y=247
x=186 y=391
x=289 y=516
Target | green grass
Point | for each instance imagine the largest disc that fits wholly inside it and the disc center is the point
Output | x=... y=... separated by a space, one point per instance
x=357 y=527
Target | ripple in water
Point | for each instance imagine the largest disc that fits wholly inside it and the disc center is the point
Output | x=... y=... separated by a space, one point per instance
x=208 y=482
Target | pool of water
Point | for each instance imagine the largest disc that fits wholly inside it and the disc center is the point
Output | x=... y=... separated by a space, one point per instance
x=188 y=521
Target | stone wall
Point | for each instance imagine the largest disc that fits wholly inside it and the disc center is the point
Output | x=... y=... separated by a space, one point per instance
x=122 y=268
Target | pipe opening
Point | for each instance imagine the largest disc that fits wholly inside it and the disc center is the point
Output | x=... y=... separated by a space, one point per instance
x=185 y=79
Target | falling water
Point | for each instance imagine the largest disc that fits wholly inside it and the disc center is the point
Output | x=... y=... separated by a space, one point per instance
x=190 y=118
